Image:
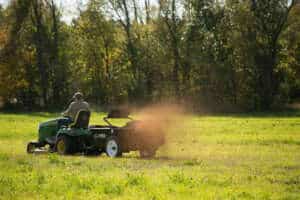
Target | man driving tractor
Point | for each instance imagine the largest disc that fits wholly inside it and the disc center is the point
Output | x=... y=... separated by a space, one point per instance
x=79 y=137
x=77 y=105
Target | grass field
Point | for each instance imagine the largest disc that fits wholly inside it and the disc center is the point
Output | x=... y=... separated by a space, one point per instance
x=210 y=157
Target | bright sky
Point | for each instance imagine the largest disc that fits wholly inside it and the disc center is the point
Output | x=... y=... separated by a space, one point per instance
x=68 y=7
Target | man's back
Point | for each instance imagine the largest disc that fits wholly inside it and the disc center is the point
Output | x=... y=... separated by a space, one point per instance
x=75 y=107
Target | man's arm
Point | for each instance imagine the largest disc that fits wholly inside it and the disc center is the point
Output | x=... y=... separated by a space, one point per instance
x=68 y=111
x=88 y=106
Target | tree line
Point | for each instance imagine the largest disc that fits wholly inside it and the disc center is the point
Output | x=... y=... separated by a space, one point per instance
x=215 y=54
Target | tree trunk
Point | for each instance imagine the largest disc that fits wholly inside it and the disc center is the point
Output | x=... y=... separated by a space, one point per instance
x=135 y=11
x=40 y=51
x=174 y=33
x=57 y=72
x=147 y=8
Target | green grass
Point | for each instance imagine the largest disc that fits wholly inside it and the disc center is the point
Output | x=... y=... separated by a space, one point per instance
x=208 y=157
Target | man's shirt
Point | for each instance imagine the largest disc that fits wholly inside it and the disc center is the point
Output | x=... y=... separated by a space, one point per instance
x=75 y=107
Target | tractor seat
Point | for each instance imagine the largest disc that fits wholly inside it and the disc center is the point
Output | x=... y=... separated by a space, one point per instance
x=82 y=119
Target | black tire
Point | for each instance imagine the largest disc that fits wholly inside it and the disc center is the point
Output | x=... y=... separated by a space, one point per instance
x=52 y=148
x=64 y=145
x=94 y=152
x=147 y=153
x=31 y=146
x=113 y=147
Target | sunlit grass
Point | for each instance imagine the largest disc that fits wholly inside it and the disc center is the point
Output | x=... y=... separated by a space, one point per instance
x=208 y=157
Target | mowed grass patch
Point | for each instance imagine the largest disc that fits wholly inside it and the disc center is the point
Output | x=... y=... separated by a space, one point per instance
x=206 y=157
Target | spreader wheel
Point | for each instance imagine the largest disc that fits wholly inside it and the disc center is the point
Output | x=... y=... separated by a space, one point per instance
x=113 y=147
x=93 y=152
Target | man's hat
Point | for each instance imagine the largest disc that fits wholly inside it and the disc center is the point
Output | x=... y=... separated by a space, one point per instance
x=78 y=95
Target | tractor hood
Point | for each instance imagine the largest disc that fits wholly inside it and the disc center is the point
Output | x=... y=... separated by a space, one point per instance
x=50 y=123
x=48 y=129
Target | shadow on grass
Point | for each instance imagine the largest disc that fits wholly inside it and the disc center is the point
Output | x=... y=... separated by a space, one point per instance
x=32 y=114
x=42 y=114
x=288 y=113
x=279 y=142
x=261 y=142
x=186 y=161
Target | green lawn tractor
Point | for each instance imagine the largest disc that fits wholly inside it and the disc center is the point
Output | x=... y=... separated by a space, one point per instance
x=79 y=137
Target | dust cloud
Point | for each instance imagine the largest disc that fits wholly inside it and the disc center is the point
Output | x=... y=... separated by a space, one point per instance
x=165 y=121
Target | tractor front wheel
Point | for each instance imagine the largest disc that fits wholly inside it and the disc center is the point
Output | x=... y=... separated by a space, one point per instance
x=64 y=145
x=31 y=146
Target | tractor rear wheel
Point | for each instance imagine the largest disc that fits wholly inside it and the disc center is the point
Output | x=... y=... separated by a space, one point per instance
x=64 y=145
x=113 y=147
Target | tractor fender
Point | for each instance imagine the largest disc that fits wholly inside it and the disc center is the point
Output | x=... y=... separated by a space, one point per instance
x=61 y=132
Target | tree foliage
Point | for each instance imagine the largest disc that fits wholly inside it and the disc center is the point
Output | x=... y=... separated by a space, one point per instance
x=219 y=54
